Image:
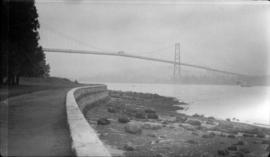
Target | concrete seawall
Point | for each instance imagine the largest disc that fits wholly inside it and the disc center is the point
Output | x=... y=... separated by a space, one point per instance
x=85 y=141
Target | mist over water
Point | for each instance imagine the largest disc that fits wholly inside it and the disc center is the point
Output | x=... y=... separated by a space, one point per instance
x=248 y=104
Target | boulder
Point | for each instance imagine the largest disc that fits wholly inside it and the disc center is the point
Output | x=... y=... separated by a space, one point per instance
x=149 y=111
x=191 y=142
x=194 y=122
x=231 y=136
x=181 y=119
x=152 y=116
x=244 y=150
x=133 y=128
x=129 y=147
x=152 y=126
x=180 y=108
x=210 y=122
x=261 y=135
x=197 y=115
x=240 y=143
x=129 y=110
x=140 y=115
x=211 y=118
x=208 y=135
x=232 y=148
x=103 y=121
x=151 y=135
x=248 y=135
x=223 y=152
x=123 y=119
x=238 y=154
x=268 y=148
x=112 y=109
x=266 y=142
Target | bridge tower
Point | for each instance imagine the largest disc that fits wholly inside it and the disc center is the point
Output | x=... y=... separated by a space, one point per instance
x=176 y=67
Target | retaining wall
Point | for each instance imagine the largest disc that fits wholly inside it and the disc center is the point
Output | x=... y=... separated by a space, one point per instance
x=85 y=141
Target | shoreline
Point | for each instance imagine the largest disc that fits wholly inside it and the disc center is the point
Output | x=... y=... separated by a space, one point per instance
x=159 y=125
x=231 y=119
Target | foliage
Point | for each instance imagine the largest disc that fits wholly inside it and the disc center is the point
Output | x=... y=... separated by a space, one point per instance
x=21 y=53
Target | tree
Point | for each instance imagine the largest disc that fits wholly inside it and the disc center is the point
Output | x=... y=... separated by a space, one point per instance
x=21 y=52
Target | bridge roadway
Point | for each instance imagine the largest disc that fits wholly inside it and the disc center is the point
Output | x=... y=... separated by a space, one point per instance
x=138 y=57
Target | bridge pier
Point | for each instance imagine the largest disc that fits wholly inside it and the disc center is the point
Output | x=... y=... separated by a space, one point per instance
x=176 y=66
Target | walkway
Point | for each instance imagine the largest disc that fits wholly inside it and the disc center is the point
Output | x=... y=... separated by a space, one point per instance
x=37 y=124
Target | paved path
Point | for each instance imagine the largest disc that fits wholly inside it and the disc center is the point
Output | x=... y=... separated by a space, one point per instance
x=37 y=124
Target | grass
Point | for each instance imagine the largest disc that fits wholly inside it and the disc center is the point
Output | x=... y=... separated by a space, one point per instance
x=30 y=85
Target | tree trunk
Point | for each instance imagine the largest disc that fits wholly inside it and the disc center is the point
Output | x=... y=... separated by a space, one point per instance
x=17 y=82
x=1 y=79
x=11 y=80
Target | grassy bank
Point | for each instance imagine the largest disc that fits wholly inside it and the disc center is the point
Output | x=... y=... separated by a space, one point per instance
x=140 y=124
x=30 y=85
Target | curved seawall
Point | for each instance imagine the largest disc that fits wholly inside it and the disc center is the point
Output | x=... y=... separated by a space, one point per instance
x=85 y=141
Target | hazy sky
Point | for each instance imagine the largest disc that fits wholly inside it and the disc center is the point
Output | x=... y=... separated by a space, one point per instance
x=228 y=36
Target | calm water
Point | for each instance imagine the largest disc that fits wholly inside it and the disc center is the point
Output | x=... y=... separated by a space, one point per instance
x=248 y=104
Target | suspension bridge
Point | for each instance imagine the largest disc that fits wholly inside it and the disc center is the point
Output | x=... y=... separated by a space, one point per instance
x=177 y=63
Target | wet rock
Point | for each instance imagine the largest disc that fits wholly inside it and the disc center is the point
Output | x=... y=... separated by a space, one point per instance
x=240 y=143
x=248 y=135
x=149 y=111
x=129 y=147
x=112 y=110
x=266 y=142
x=208 y=135
x=133 y=128
x=231 y=136
x=224 y=126
x=268 y=148
x=103 y=135
x=152 y=126
x=158 y=155
x=194 y=133
x=191 y=142
x=165 y=122
x=232 y=148
x=244 y=150
x=152 y=135
x=238 y=154
x=223 y=152
x=123 y=119
x=152 y=116
x=131 y=111
x=180 y=108
x=140 y=115
x=212 y=134
x=210 y=122
x=181 y=119
x=211 y=118
x=261 y=135
x=103 y=121
x=197 y=115
x=194 y=122
x=206 y=154
x=188 y=127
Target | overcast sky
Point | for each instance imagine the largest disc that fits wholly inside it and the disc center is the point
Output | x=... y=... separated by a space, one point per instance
x=228 y=36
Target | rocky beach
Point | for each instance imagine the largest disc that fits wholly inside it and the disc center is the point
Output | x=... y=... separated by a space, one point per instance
x=142 y=124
